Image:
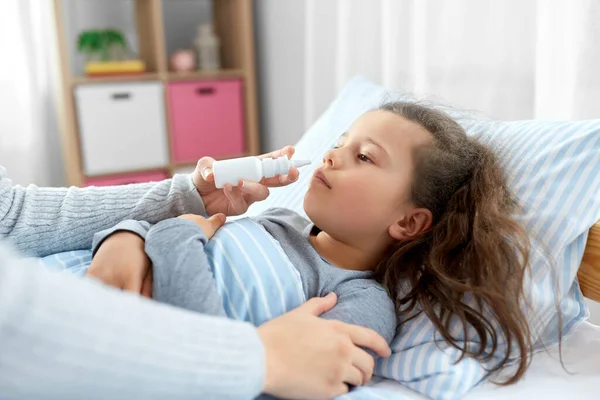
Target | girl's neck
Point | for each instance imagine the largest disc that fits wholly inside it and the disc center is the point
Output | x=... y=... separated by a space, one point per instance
x=344 y=255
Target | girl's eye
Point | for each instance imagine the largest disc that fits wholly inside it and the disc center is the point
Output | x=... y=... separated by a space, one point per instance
x=364 y=158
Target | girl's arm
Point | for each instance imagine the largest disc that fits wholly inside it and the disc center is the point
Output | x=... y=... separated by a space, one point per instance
x=119 y=258
x=181 y=273
x=174 y=249
x=42 y=221
x=365 y=305
x=140 y=228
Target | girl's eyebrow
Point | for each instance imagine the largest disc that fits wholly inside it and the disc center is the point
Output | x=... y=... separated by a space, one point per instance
x=369 y=140
x=341 y=138
x=378 y=145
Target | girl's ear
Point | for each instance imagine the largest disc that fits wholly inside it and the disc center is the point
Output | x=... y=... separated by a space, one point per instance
x=411 y=225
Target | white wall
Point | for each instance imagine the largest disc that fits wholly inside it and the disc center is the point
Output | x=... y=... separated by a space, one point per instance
x=280 y=42
x=181 y=19
x=279 y=31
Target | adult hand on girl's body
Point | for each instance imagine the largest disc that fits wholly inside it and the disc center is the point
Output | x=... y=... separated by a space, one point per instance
x=236 y=200
x=210 y=225
x=312 y=358
x=122 y=262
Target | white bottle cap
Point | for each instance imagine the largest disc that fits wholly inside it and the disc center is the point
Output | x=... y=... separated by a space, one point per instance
x=280 y=166
x=268 y=167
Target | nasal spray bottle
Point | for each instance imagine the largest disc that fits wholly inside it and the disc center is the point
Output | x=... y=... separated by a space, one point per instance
x=252 y=169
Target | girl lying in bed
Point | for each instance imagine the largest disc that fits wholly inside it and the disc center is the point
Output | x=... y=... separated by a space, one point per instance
x=406 y=215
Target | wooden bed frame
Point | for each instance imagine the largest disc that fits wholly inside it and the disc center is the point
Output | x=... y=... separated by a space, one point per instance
x=589 y=271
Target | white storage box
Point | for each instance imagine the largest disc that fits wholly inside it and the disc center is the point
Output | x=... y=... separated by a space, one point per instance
x=121 y=127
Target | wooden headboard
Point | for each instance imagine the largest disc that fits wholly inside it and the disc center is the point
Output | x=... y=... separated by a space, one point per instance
x=589 y=271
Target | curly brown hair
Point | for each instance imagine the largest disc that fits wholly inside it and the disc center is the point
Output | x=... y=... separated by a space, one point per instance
x=475 y=246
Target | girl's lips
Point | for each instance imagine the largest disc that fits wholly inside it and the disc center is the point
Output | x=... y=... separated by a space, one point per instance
x=319 y=176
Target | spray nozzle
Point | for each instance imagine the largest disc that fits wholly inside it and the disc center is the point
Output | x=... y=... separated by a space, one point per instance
x=299 y=163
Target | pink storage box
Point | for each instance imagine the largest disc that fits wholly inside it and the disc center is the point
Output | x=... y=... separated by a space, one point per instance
x=126 y=179
x=207 y=119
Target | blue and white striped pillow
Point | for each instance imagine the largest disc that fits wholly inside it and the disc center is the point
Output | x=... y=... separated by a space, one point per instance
x=554 y=170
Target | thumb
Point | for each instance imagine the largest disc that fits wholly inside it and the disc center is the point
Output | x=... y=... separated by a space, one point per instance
x=203 y=174
x=217 y=220
x=318 y=305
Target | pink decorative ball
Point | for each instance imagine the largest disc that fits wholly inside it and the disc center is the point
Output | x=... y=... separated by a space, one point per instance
x=183 y=61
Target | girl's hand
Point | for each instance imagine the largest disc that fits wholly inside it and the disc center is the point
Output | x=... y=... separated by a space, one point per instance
x=210 y=225
x=122 y=262
x=235 y=200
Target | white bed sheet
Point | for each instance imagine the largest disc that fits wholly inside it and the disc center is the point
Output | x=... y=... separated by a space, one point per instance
x=545 y=379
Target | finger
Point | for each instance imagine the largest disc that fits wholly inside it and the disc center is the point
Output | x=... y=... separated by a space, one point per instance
x=292 y=175
x=353 y=376
x=236 y=199
x=364 y=362
x=198 y=219
x=282 y=180
x=255 y=191
x=147 y=285
x=341 y=389
x=318 y=305
x=285 y=151
x=211 y=225
x=217 y=220
x=204 y=169
x=288 y=151
x=368 y=338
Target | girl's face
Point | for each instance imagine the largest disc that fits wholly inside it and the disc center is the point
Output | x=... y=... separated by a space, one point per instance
x=362 y=189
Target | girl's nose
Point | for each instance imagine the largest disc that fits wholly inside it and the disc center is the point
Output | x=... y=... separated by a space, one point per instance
x=331 y=158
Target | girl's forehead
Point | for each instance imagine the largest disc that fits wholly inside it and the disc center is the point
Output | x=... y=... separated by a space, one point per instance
x=388 y=129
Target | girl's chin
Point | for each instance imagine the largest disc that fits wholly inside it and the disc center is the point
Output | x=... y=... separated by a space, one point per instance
x=312 y=206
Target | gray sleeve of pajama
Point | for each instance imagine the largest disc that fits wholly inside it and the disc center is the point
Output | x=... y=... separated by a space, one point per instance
x=138 y=227
x=181 y=272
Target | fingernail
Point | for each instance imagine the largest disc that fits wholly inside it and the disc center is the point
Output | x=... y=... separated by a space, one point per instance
x=330 y=295
x=244 y=187
x=230 y=188
x=206 y=172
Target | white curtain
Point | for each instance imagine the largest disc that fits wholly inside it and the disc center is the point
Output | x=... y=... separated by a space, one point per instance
x=29 y=138
x=510 y=59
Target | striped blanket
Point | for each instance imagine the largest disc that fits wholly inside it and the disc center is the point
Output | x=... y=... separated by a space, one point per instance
x=262 y=285
x=253 y=276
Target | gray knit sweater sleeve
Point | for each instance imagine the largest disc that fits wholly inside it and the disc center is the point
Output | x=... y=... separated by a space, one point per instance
x=41 y=221
x=67 y=338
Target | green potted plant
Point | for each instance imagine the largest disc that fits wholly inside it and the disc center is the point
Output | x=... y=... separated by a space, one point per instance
x=107 y=52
